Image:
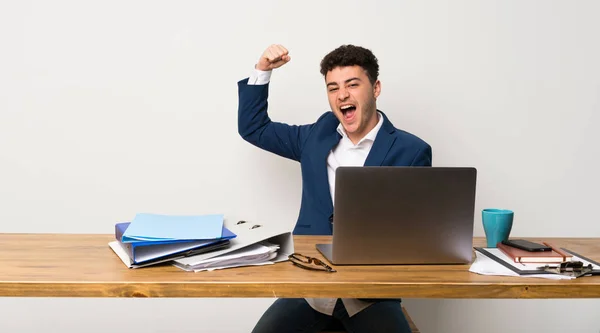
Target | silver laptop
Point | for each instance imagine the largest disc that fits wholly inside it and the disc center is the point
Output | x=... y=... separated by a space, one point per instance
x=402 y=215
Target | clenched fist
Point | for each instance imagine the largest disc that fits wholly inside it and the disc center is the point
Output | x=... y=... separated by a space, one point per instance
x=274 y=56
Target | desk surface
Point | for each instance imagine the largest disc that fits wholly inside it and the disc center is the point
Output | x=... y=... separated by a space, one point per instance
x=65 y=265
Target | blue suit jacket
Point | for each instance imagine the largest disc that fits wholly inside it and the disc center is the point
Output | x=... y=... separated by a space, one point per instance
x=310 y=145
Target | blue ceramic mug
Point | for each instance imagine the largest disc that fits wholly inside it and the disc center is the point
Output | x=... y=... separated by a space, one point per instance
x=497 y=224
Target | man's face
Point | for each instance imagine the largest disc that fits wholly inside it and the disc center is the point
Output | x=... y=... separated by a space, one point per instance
x=352 y=99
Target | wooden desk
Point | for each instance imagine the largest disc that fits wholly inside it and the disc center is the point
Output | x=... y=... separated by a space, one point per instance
x=62 y=265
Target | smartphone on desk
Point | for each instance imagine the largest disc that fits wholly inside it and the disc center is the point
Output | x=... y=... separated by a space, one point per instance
x=526 y=245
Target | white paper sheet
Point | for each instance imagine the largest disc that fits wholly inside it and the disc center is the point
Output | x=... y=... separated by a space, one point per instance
x=256 y=254
x=486 y=266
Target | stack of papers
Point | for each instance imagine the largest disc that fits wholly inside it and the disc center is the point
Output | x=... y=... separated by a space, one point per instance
x=487 y=266
x=151 y=239
x=254 y=244
x=256 y=254
x=199 y=243
x=492 y=261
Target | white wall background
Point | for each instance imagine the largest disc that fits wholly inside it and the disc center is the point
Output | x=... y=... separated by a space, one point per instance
x=109 y=108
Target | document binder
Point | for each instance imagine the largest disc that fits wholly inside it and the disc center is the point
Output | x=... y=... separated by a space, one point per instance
x=248 y=234
x=120 y=251
x=151 y=252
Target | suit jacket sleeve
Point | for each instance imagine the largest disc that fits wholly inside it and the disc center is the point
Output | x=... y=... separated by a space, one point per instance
x=256 y=127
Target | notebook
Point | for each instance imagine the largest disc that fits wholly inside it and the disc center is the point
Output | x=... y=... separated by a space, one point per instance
x=521 y=256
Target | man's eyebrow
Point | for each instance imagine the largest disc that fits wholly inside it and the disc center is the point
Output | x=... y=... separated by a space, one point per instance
x=350 y=79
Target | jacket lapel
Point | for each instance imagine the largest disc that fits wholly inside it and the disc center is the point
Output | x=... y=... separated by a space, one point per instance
x=382 y=144
x=322 y=179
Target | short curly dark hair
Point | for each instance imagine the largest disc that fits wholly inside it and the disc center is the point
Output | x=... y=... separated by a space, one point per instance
x=351 y=55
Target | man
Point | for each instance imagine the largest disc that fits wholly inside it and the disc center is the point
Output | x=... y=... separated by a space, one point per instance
x=354 y=133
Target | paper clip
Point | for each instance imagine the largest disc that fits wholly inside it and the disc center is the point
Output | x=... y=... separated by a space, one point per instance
x=569 y=268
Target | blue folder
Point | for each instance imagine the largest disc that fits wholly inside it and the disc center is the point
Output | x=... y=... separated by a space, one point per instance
x=157 y=227
x=147 y=252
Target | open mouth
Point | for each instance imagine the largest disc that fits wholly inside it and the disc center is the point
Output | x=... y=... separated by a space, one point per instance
x=348 y=111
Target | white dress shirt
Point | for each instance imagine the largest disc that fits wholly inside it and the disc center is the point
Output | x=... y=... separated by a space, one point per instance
x=345 y=153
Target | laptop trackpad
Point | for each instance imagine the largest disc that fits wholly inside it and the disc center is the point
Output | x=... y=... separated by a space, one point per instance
x=326 y=250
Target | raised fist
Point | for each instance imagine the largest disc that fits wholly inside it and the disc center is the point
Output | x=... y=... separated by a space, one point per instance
x=274 y=56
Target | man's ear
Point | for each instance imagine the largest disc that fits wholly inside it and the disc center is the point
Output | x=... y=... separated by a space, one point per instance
x=377 y=88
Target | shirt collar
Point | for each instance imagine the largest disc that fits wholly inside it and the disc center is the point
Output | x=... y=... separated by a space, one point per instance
x=370 y=136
